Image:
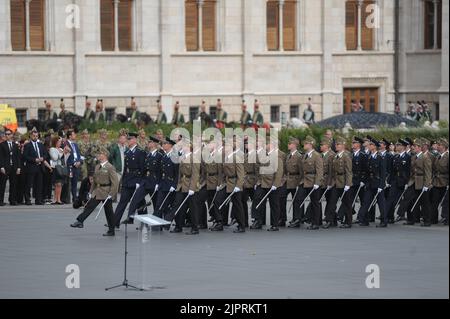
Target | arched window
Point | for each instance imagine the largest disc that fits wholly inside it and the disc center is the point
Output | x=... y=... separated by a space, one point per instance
x=200 y=25
x=110 y=33
x=29 y=37
x=281 y=20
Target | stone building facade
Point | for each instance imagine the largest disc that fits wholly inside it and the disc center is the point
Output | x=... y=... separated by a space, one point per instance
x=242 y=65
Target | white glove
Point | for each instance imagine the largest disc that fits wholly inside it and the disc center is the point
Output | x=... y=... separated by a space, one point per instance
x=388 y=185
x=362 y=184
x=172 y=189
x=425 y=189
x=315 y=187
x=137 y=185
x=236 y=190
x=156 y=187
x=406 y=187
x=380 y=190
x=218 y=188
x=346 y=188
x=3 y=171
x=89 y=195
x=255 y=187
x=108 y=198
x=191 y=193
x=329 y=187
x=273 y=188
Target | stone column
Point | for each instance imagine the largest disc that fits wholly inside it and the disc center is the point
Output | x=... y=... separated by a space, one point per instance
x=280 y=24
x=200 y=24
x=360 y=3
x=116 y=25
x=27 y=25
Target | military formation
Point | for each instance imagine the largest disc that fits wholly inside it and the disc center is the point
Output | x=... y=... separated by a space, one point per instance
x=324 y=183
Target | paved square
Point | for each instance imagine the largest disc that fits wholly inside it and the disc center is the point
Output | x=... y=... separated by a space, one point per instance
x=36 y=245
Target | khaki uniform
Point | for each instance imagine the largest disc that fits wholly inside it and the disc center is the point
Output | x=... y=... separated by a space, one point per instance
x=440 y=176
x=188 y=175
x=212 y=176
x=250 y=173
x=312 y=170
x=271 y=173
x=421 y=171
x=232 y=175
x=293 y=170
x=342 y=171
x=105 y=182
x=328 y=159
x=440 y=184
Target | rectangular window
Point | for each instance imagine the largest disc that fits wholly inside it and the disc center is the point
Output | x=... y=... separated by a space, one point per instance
x=272 y=25
x=209 y=25
x=193 y=113
x=18 y=25
x=21 y=115
x=41 y=114
x=125 y=7
x=191 y=27
x=275 y=113
x=212 y=111
x=367 y=97
x=110 y=114
x=351 y=25
x=294 y=111
x=367 y=29
x=429 y=22
x=37 y=25
x=107 y=22
x=289 y=25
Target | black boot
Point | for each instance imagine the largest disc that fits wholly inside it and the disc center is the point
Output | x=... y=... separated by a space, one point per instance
x=109 y=233
x=77 y=224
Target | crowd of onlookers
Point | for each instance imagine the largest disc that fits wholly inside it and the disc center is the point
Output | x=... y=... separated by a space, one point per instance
x=419 y=111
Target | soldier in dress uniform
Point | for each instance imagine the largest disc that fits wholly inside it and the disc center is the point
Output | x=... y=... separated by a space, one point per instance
x=161 y=118
x=312 y=177
x=63 y=112
x=212 y=179
x=341 y=182
x=169 y=179
x=100 y=114
x=375 y=185
x=221 y=114
x=142 y=140
x=178 y=117
x=188 y=184
x=420 y=182
x=250 y=169
x=151 y=179
x=440 y=183
x=245 y=116
x=359 y=170
x=89 y=114
x=104 y=188
x=327 y=182
x=257 y=117
x=132 y=176
x=204 y=117
x=398 y=178
x=293 y=170
x=135 y=114
x=50 y=115
x=269 y=180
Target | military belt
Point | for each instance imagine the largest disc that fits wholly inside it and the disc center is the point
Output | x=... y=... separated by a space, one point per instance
x=104 y=185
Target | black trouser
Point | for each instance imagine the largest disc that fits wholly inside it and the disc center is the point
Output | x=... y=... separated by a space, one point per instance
x=12 y=177
x=274 y=202
x=180 y=216
x=314 y=203
x=437 y=194
x=246 y=194
x=199 y=200
x=369 y=196
x=212 y=209
x=139 y=203
x=309 y=209
x=163 y=211
x=20 y=187
x=351 y=194
x=91 y=205
x=125 y=197
x=222 y=214
x=34 y=178
x=423 y=207
x=394 y=195
x=346 y=206
x=284 y=193
x=47 y=189
x=237 y=209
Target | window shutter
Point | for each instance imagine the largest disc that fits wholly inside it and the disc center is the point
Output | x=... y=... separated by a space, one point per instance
x=37 y=25
x=191 y=25
x=209 y=25
x=107 y=24
x=439 y=28
x=125 y=25
x=18 y=25
x=272 y=25
x=289 y=25
x=351 y=25
x=367 y=31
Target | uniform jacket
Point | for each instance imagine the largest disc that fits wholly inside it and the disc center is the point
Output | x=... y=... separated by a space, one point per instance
x=152 y=170
x=328 y=169
x=134 y=167
x=441 y=171
x=271 y=173
x=250 y=170
x=359 y=168
x=188 y=174
x=293 y=170
x=232 y=174
x=212 y=175
x=105 y=182
x=342 y=170
x=169 y=171
x=401 y=170
x=421 y=171
x=312 y=170
x=115 y=158
x=376 y=172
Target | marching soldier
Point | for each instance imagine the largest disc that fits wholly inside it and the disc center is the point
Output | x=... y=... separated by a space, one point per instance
x=161 y=118
x=440 y=183
x=257 y=118
x=169 y=179
x=328 y=181
x=212 y=180
x=293 y=168
x=151 y=179
x=341 y=182
x=250 y=169
x=89 y=114
x=103 y=189
x=188 y=181
x=376 y=183
x=245 y=116
x=398 y=178
x=312 y=177
x=178 y=117
x=132 y=177
x=418 y=187
x=231 y=174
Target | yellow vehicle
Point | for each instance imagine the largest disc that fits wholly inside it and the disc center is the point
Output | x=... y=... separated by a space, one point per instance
x=8 y=118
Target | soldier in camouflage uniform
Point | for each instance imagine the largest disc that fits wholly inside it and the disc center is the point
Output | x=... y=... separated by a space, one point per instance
x=142 y=140
x=85 y=146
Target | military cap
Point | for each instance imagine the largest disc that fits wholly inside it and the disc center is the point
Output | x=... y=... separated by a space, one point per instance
x=325 y=141
x=159 y=132
x=357 y=139
x=102 y=131
x=374 y=142
x=340 y=141
x=385 y=142
x=443 y=141
x=368 y=138
x=402 y=142
x=141 y=131
x=418 y=142
x=123 y=132
x=309 y=140
x=425 y=141
x=153 y=139
x=85 y=132
x=409 y=141
x=293 y=140
x=102 y=150
x=132 y=135
x=167 y=140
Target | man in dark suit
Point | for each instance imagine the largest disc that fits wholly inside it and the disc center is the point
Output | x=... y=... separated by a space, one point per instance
x=34 y=154
x=74 y=162
x=9 y=168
